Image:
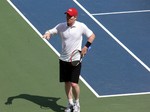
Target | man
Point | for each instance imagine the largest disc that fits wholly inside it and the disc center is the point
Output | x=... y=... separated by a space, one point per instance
x=71 y=33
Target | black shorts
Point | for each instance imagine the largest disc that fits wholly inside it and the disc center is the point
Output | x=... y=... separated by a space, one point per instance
x=69 y=73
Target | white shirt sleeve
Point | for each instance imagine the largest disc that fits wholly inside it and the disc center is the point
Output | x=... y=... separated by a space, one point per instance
x=53 y=30
x=86 y=31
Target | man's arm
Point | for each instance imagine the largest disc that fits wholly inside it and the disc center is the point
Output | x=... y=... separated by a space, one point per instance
x=91 y=38
x=51 y=32
x=88 y=44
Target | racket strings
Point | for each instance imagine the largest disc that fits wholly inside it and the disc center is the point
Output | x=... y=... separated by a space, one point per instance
x=76 y=57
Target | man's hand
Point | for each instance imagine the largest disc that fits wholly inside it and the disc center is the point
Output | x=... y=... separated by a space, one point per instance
x=47 y=35
x=84 y=51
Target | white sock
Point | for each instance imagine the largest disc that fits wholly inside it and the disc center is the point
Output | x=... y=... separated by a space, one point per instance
x=77 y=102
x=70 y=101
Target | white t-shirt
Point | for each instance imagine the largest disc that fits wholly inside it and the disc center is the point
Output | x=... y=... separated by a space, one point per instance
x=71 y=37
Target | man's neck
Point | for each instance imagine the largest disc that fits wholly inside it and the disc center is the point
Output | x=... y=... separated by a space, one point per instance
x=70 y=24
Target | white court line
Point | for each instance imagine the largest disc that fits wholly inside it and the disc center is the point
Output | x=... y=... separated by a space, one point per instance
x=121 y=44
x=122 y=12
x=129 y=94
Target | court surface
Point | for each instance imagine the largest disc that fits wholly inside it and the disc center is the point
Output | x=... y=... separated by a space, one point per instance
x=117 y=65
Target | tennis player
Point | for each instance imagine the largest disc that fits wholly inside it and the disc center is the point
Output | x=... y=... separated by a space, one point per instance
x=71 y=33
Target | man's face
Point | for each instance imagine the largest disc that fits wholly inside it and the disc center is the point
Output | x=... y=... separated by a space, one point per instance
x=70 y=19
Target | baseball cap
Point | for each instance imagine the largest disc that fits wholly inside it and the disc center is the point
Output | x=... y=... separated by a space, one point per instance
x=72 y=12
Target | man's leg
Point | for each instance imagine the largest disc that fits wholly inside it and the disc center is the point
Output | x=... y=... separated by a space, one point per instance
x=68 y=90
x=76 y=93
x=75 y=89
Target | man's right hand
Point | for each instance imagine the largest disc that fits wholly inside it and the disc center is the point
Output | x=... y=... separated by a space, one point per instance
x=47 y=35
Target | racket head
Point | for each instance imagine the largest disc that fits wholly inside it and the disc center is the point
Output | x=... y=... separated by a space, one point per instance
x=76 y=57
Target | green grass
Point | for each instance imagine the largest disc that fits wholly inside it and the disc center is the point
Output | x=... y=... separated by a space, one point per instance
x=29 y=74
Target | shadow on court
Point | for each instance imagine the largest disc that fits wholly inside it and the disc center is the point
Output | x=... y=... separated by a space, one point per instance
x=43 y=102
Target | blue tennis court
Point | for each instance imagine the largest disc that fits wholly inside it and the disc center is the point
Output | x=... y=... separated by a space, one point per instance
x=118 y=63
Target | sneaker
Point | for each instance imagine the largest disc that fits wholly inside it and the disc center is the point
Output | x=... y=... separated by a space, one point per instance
x=69 y=108
x=76 y=108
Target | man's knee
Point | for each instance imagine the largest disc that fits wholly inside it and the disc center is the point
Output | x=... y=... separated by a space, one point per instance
x=73 y=84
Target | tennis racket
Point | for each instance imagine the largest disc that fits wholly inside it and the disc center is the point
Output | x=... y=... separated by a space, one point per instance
x=76 y=58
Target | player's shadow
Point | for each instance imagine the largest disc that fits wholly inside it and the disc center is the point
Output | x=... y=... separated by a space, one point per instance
x=43 y=102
